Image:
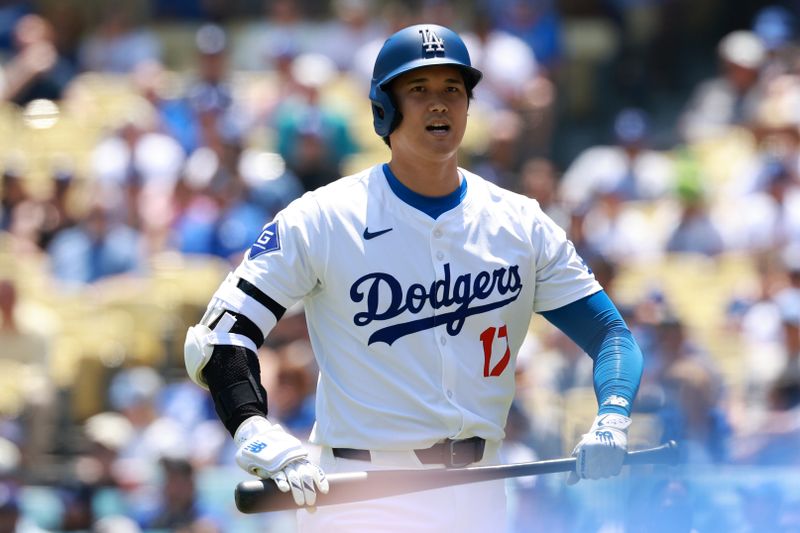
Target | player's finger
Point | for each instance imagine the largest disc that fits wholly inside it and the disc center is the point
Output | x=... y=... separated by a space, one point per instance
x=572 y=478
x=321 y=480
x=296 y=485
x=281 y=481
x=306 y=472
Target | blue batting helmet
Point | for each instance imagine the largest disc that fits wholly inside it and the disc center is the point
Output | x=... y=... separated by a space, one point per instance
x=417 y=46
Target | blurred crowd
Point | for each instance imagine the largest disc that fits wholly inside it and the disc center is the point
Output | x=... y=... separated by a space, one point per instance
x=675 y=172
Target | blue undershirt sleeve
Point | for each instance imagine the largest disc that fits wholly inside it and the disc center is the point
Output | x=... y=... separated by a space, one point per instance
x=594 y=324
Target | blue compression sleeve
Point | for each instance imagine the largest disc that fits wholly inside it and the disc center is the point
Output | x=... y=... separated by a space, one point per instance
x=594 y=324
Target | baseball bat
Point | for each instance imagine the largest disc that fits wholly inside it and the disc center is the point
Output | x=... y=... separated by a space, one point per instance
x=262 y=495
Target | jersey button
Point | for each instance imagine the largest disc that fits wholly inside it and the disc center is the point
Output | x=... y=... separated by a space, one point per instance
x=437 y=233
x=443 y=340
x=439 y=255
x=449 y=393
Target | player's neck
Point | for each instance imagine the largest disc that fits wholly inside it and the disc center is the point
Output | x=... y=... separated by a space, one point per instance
x=426 y=178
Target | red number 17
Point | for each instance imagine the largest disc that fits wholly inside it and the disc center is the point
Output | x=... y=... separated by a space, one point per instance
x=487 y=338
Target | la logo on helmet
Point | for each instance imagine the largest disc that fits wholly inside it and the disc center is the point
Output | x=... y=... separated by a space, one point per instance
x=431 y=43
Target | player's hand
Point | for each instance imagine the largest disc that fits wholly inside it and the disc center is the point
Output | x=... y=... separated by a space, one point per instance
x=269 y=452
x=601 y=451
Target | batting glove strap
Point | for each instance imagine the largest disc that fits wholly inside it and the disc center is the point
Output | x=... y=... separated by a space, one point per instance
x=265 y=449
x=601 y=451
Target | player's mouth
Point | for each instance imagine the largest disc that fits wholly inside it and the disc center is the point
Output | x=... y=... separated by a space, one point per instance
x=438 y=128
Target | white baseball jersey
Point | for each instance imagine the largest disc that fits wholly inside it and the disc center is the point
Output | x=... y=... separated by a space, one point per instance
x=415 y=322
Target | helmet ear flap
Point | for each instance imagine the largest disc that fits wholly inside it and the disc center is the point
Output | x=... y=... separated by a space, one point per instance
x=384 y=113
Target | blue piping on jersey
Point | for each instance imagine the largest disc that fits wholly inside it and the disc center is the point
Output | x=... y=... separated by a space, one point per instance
x=594 y=324
x=433 y=206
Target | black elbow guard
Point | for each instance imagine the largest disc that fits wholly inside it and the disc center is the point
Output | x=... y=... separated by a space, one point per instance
x=231 y=374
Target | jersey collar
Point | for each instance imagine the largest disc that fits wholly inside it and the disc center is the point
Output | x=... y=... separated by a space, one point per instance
x=433 y=206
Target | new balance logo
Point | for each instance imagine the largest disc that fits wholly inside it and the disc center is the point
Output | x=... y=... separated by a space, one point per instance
x=605 y=437
x=372 y=234
x=256 y=446
x=431 y=43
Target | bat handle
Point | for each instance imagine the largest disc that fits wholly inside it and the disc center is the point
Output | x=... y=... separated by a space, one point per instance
x=251 y=493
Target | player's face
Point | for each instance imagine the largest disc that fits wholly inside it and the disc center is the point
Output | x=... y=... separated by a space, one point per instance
x=433 y=101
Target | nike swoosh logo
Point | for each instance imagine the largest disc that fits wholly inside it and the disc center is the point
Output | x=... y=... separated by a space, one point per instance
x=372 y=234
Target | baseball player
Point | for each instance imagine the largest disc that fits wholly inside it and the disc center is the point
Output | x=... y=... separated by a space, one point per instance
x=419 y=280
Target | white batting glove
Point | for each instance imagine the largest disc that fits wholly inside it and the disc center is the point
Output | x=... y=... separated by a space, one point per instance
x=267 y=451
x=601 y=451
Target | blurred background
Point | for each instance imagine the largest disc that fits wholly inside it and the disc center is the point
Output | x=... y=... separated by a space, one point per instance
x=143 y=144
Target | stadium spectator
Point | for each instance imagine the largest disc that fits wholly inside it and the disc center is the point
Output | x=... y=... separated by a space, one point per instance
x=775 y=26
x=282 y=31
x=396 y=16
x=294 y=381
x=537 y=23
x=507 y=62
x=134 y=392
x=195 y=210
x=14 y=194
x=106 y=434
x=119 y=43
x=98 y=247
x=696 y=231
x=151 y=81
x=10 y=13
x=351 y=27
x=629 y=169
x=539 y=179
x=517 y=449
x=500 y=162
x=77 y=512
x=769 y=217
x=787 y=301
x=12 y=519
x=20 y=342
x=27 y=345
x=179 y=507
x=692 y=388
x=312 y=137
x=209 y=94
x=56 y=213
x=37 y=69
x=770 y=440
x=33 y=220
x=729 y=99
x=549 y=365
x=616 y=230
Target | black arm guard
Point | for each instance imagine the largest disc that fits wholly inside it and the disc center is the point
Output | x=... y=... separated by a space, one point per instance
x=233 y=377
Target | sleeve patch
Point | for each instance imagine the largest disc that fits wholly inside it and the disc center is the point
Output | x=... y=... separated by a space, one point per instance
x=268 y=241
x=619 y=401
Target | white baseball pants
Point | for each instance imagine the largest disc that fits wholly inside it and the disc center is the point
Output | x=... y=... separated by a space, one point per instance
x=475 y=507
